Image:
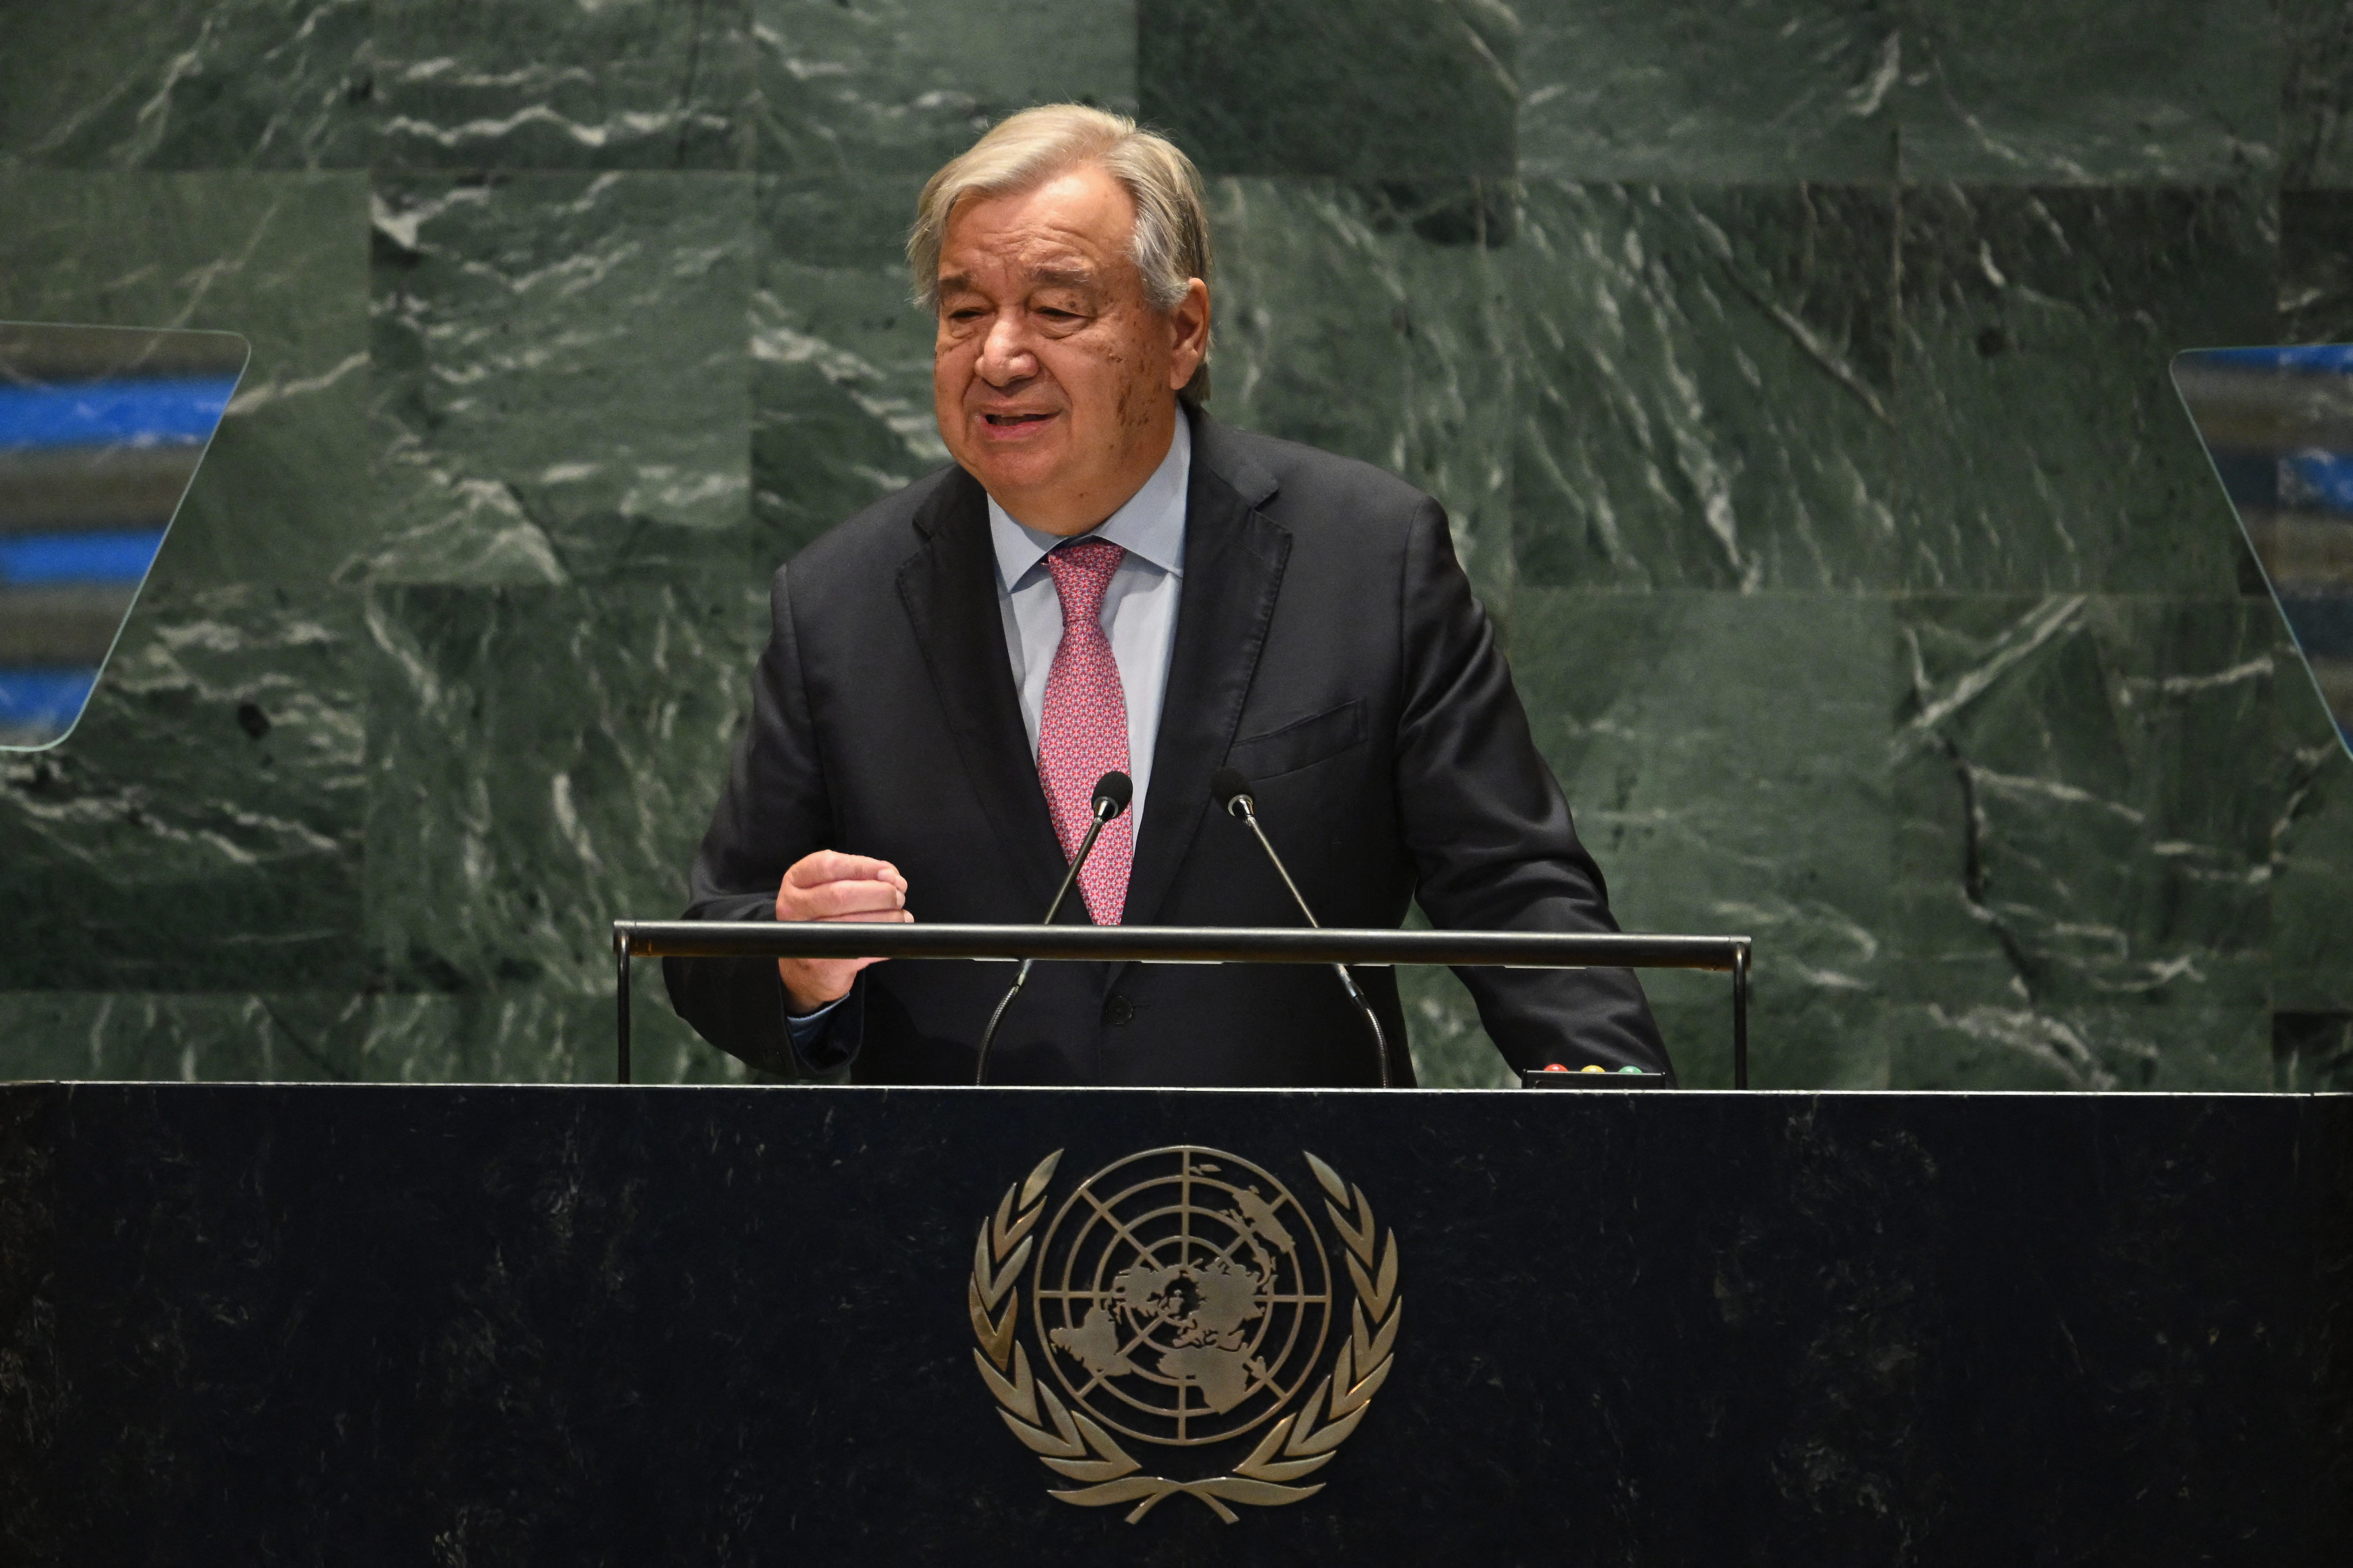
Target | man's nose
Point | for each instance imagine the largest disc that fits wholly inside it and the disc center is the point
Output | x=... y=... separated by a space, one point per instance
x=1004 y=354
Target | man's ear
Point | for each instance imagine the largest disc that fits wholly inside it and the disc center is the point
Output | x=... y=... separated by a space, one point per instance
x=1188 y=327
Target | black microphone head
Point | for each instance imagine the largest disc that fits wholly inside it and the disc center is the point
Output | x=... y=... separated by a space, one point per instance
x=1229 y=785
x=1114 y=790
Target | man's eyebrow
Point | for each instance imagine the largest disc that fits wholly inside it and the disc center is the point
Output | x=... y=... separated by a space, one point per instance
x=1043 y=276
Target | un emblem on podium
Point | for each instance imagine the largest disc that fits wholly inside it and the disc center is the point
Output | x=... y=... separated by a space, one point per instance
x=1182 y=1298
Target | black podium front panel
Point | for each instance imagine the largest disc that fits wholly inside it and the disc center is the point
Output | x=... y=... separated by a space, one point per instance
x=509 y=1325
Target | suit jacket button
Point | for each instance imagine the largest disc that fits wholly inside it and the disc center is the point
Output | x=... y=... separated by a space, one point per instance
x=1118 y=1010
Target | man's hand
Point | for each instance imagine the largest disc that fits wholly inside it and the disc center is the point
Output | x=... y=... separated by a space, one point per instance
x=827 y=886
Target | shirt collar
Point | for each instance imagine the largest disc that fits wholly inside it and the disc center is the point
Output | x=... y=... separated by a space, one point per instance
x=1150 y=524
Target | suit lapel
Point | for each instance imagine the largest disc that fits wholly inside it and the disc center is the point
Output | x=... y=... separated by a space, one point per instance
x=949 y=589
x=1233 y=570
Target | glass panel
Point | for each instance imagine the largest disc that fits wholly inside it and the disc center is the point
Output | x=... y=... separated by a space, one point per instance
x=100 y=431
x=2278 y=423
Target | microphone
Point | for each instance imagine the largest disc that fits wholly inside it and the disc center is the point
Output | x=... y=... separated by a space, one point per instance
x=1233 y=792
x=1113 y=791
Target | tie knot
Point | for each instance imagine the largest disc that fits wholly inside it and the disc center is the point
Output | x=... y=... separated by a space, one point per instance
x=1081 y=572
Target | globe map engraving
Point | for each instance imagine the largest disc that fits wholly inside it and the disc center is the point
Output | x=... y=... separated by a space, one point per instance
x=1183 y=1295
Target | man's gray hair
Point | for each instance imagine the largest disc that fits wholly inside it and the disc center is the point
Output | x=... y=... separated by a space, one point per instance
x=1171 y=244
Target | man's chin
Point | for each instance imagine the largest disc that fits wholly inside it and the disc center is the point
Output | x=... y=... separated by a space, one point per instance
x=1012 y=468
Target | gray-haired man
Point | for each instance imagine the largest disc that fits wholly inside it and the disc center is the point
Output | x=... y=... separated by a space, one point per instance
x=1107 y=575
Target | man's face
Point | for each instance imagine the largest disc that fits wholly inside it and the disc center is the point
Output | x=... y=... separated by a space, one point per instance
x=1053 y=378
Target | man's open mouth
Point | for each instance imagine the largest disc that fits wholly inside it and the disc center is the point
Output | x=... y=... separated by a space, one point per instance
x=1012 y=421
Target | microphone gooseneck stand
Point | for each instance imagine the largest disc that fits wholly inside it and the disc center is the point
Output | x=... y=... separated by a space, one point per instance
x=1113 y=791
x=1232 y=790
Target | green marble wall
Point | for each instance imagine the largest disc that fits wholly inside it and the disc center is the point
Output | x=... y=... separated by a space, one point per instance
x=1795 y=371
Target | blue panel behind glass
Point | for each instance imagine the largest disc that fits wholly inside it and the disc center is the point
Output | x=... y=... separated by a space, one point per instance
x=27 y=559
x=2317 y=481
x=2278 y=424
x=43 y=698
x=101 y=429
x=180 y=410
x=2312 y=359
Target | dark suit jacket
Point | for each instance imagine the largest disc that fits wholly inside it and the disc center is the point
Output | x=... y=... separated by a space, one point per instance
x=1327 y=645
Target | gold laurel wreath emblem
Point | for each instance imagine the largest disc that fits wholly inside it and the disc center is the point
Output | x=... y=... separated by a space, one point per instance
x=1076 y=1447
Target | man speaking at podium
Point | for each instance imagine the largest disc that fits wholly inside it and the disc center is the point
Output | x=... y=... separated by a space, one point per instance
x=1107 y=580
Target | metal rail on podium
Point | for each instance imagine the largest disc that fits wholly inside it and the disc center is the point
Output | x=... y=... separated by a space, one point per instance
x=1180 y=944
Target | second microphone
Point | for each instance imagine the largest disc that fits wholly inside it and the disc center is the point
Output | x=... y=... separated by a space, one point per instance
x=1113 y=791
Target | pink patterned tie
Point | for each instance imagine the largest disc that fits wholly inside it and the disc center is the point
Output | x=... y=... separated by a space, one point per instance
x=1083 y=731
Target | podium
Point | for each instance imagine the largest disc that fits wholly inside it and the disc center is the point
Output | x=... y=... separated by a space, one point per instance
x=579 y=1325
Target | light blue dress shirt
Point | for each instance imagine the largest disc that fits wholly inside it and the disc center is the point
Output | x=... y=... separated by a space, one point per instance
x=1139 y=607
